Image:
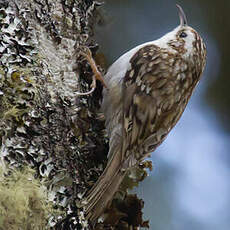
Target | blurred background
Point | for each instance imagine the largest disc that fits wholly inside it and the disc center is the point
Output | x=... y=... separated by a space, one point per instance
x=189 y=187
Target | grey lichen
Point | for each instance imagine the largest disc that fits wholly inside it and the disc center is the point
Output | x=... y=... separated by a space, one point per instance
x=43 y=124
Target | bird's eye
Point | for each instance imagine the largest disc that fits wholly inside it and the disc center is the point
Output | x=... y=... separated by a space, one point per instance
x=183 y=35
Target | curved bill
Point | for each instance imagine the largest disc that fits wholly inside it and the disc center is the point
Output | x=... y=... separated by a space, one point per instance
x=183 y=19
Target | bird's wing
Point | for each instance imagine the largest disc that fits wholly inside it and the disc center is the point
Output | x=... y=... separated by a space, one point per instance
x=143 y=129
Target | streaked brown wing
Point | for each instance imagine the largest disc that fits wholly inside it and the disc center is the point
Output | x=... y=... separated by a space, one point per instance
x=147 y=93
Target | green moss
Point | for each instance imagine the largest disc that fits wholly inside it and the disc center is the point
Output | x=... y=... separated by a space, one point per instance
x=14 y=112
x=23 y=201
x=17 y=88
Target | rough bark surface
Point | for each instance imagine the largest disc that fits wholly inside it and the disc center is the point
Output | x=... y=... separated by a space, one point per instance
x=43 y=124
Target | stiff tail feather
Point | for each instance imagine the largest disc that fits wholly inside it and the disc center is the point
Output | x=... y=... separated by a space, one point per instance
x=104 y=189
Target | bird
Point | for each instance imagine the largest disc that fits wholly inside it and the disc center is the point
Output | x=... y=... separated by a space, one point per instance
x=147 y=91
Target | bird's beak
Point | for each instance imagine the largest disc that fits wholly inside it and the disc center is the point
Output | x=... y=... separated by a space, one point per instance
x=183 y=19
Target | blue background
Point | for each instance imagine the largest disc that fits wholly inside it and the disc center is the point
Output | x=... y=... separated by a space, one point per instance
x=189 y=187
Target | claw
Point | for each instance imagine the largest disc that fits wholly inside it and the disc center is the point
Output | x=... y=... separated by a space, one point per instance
x=93 y=87
x=88 y=55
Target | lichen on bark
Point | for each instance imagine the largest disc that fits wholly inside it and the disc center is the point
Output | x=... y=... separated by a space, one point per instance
x=44 y=125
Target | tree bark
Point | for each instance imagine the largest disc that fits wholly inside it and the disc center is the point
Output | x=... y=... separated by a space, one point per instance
x=43 y=123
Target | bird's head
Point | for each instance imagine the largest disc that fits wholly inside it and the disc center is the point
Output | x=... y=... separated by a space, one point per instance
x=185 y=40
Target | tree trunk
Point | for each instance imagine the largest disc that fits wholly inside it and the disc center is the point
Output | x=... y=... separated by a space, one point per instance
x=43 y=123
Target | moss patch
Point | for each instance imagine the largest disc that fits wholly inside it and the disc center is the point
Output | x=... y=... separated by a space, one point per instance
x=22 y=201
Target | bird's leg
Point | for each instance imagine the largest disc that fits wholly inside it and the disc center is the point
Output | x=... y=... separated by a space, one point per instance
x=88 y=55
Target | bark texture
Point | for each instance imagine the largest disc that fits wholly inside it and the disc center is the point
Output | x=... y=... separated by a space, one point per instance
x=43 y=124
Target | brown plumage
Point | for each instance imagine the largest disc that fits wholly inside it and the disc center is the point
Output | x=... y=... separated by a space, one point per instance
x=149 y=88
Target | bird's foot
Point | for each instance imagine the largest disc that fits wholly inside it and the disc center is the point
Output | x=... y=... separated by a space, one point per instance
x=86 y=53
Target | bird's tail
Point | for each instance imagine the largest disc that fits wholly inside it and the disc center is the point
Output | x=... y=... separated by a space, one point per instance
x=104 y=189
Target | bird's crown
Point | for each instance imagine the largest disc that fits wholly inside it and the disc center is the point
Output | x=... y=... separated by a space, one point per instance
x=183 y=39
